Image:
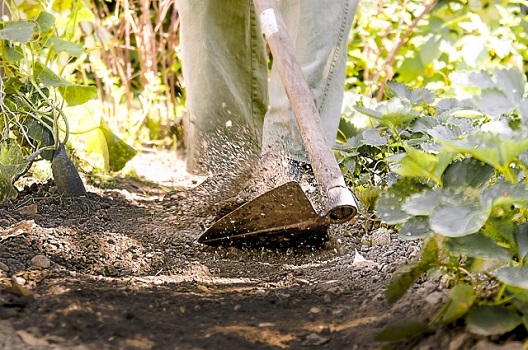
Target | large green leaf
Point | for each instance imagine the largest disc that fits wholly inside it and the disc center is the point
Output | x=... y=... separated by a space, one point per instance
x=425 y=203
x=396 y=113
x=460 y=215
x=73 y=94
x=477 y=246
x=115 y=151
x=468 y=172
x=415 y=227
x=491 y=148
x=12 y=164
x=404 y=277
x=416 y=163
x=13 y=54
x=461 y=298
x=60 y=45
x=45 y=21
x=489 y=320
x=20 y=31
x=417 y=96
x=516 y=276
x=389 y=206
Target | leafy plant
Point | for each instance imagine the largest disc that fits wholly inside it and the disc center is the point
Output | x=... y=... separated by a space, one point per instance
x=421 y=42
x=455 y=176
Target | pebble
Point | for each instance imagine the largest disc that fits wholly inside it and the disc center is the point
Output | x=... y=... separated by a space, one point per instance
x=315 y=310
x=237 y=307
x=327 y=299
x=41 y=261
x=434 y=298
x=315 y=339
x=4 y=267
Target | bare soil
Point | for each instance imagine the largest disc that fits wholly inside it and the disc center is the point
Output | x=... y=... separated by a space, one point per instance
x=122 y=269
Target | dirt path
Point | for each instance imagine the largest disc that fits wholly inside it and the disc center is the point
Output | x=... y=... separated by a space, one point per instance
x=121 y=270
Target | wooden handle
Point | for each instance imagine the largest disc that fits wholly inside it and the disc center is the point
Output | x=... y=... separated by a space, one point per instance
x=341 y=205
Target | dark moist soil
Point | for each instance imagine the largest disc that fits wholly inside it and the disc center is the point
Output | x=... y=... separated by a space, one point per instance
x=122 y=269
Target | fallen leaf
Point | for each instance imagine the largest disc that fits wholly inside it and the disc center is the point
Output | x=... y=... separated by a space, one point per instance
x=360 y=261
x=17 y=229
x=30 y=339
x=19 y=289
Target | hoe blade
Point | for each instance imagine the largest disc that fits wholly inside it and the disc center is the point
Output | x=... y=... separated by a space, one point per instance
x=280 y=217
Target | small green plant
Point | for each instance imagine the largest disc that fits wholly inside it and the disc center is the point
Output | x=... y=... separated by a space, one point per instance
x=33 y=97
x=455 y=176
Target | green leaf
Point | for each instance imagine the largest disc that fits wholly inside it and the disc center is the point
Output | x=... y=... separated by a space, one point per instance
x=396 y=114
x=516 y=276
x=373 y=137
x=401 y=329
x=48 y=77
x=367 y=111
x=346 y=130
x=491 y=148
x=416 y=163
x=521 y=241
x=13 y=54
x=60 y=45
x=459 y=216
x=430 y=252
x=38 y=132
x=117 y=153
x=493 y=102
x=468 y=172
x=45 y=21
x=419 y=96
x=12 y=164
x=20 y=31
x=415 y=227
x=424 y=203
x=511 y=83
x=389 y=205
x=461 y=299
x=489 y=320
x=403 y=278
x=501 y=194
x=476 y=246
x=75 y=94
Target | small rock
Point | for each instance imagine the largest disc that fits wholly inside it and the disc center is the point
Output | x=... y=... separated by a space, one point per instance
x=314 y=339
x=266 y=324
x=337 y=312
x=28 y=209
x=41 y=261
x=237 y=307
x=327 y=299
x=4 y=267
x=315 y=310
x=434 y=298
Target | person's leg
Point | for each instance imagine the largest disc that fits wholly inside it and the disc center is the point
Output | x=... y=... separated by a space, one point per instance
x=319 y=30
x=225 y=71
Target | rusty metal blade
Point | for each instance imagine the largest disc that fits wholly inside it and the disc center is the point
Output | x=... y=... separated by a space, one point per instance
x=281 y=216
